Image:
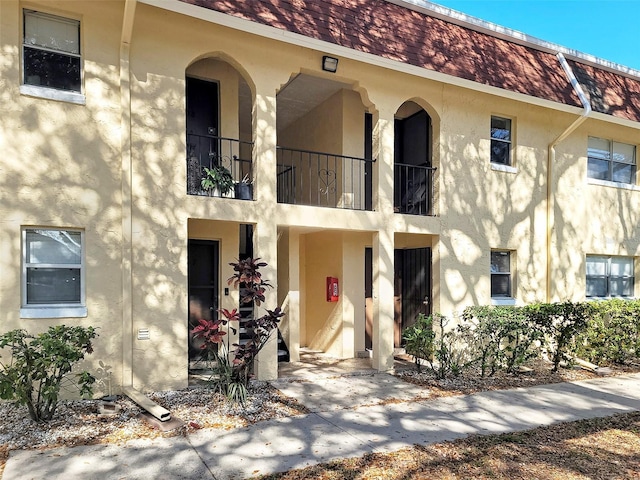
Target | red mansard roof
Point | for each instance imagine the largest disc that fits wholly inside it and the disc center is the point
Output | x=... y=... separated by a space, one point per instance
x=405 y=35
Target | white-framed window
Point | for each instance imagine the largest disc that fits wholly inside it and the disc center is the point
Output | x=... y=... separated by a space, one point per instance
x=501 y=275
x=501 y=138
x=51 y=59
x=611 y=161
x=53 y=273
x=609 y=276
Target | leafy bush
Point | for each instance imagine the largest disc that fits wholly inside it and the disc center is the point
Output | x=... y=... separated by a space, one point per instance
x=502 y=337
x=505 y=337
x=40 y=364
x=561 y=324
x=419 y=340
x=613 y=333
x=232 y=378
x=444 y=351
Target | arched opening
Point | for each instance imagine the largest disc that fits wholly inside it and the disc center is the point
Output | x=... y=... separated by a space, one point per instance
x=413 y=164
x=324 y=144
x=219 y=136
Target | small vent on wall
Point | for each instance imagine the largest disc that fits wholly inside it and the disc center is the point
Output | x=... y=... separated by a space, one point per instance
x=144 y=334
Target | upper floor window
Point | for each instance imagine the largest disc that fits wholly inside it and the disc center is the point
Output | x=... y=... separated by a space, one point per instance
x=611 y=161
x=52 y=273
x=610 y=276
x=501 y=279
x=51 y=52
x=501 y=140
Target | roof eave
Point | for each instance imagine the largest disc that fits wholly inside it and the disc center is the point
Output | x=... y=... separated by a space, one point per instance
x=513 y=36
x=273 y=33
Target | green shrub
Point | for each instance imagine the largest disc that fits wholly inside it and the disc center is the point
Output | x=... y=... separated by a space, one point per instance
x=502 y=337
x=444 y=351
x=561 y=324
x=613 y=333
x=40 y=364
x=419 y=340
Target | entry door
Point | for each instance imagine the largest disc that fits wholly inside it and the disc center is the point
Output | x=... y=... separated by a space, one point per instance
x=412 y=154
x=202 y=107
x=368 y=298
x=368 y=166
x=412 y=286
x=202 y=127
x=203 y=260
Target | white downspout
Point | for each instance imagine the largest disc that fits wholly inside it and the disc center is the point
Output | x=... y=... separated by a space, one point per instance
x=551 y=158
x=126 y=191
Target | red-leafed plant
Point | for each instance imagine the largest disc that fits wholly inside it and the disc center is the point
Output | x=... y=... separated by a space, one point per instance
x=232 y=378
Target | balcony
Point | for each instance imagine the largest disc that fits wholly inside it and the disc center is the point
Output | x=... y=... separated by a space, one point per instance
x=205 y=151
x=323 y=180
x=413 y=189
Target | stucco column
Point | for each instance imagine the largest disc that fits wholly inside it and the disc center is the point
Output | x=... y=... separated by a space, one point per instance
x=265 y=237
x=352 y=292
x=293 y=310
x=383 y=301
x=383 y=244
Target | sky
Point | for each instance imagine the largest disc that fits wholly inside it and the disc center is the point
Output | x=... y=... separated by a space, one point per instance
x=607 y=29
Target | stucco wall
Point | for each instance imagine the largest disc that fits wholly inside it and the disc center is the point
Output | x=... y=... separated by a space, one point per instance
x=62 y=166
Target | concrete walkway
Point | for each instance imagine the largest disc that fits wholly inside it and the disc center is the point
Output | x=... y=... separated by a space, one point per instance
x=332 y=431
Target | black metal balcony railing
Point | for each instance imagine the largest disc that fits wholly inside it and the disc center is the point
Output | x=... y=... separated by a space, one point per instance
x=413 y=189
x=322 y=179
x=209 y=151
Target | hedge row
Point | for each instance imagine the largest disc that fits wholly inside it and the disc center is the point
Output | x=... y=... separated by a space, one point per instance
x=505 y=337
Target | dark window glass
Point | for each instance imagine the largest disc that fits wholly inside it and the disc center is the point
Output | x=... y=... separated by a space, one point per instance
x=53 y=285
x=623 y=173
x=610 y=276
x=598 y=169
x=612 y=161
x=51 y=51
x=501 y=140
x=53 y=70
x=500 y=274
x=597 y=287
x=500 y=285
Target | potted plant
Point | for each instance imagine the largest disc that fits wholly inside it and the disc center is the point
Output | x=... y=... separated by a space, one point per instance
x=217 y=179
x=244 y=188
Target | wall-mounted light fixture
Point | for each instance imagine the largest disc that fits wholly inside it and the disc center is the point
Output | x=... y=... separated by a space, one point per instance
x=329 y=64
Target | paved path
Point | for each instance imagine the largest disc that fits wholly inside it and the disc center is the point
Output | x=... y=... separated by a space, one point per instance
x=329 y=433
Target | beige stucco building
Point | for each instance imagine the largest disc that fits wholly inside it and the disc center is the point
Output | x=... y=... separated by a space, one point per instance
x=432 y=163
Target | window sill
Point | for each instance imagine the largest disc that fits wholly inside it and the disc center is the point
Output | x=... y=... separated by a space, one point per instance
x=608 y=183
x=53 y=312
x=598 y=299
x=498 y=167
x=503 y=301
x=53 y=94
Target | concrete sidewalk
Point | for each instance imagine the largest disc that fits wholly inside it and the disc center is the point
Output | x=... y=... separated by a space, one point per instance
x=330 y=433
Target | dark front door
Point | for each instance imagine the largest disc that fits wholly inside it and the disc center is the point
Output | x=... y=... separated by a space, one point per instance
x=368 y=298
x=368 y=166
x=412 y=189
x=412 y=285
x=202 y=127
x=203 y=261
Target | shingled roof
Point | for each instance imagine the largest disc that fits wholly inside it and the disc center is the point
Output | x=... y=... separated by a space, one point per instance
x=416 y=38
